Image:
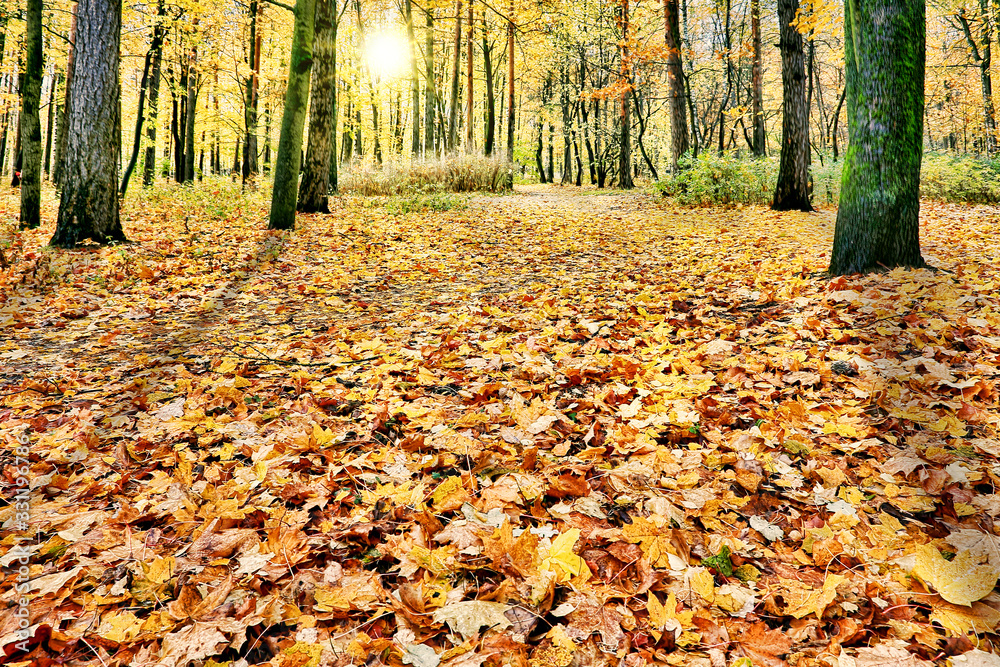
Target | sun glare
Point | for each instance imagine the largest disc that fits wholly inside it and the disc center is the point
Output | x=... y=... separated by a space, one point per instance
x=387 y=55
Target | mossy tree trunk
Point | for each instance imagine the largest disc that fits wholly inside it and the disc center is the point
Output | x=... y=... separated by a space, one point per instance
x=877 y=223
x=88 y=206
x=31 y=126
x=293 y=119
x=316 y=173
x=792 y=190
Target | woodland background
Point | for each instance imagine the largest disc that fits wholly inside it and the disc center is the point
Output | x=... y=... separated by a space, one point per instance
x=568 y=57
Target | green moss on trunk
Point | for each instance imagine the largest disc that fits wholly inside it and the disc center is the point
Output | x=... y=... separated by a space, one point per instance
x=877 y=223
x=293 y=120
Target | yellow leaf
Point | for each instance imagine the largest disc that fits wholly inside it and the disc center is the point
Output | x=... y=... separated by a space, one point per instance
x=961 y=620
x=703 y=583
x=161 y=570
x=561 y=555
x=123 y=627
x=961 y=581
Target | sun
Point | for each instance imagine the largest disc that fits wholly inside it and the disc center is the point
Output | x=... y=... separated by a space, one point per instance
x=387 y=54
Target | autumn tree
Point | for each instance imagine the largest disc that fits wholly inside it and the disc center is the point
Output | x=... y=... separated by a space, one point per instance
x=792 y=190
x=877 y=222
x=88 y=205
x=293 y=119
x=31 y=127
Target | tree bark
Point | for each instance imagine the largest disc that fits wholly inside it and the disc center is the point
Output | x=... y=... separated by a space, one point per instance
x=156 y=43
x=675 y=80
x=510 y=83
x=456 y=80
x=293 y=119
x=489 y=136
x=757 y=104
x=50 y=126
x=192 y=105
x=61 y=136
x=538 y=157
x=88 y=205
x=149 y=163
x=251 y=97
x=414 y=80
x=625 y=141
x=877 y=222
x=316 y=173
x=31 y=126
x=332 y=180
x=470 y=82
x=430 y=102
x=792 y=190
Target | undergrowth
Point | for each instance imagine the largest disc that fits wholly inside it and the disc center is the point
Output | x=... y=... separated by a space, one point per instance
x=714 y=180
x=459 y=173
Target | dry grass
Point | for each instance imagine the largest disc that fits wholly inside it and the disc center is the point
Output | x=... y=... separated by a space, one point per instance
x=457 y=173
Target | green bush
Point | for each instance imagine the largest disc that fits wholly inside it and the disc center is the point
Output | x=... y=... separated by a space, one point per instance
x=711 y=180
x=960 y=179
x=460 y=173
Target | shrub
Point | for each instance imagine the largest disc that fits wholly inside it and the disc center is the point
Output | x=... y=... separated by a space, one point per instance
x=960 y=179
x=459 y=173
x=711 y=180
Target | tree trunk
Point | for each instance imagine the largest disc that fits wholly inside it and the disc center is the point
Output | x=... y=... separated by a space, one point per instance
x=456 y=80
x=642 y=133
x=414 y=80
x=538 y=157
x=88 y=205
x=551 y=169
x=178 y=126
x=149 y=163
x=152 y=55
x=470 y=82
x=251 y=96
x=57 y=170
x=192 y=105
x=31 y=126
x=757 y=105
x=430 y=102
x=316 y=173
x=792 y=190
x=50 y=126
x=293 y=119
x=675 y=79
x=332 y=184
x=877 y=222
x=510 y=83
x=489 y=136
x=625 y=141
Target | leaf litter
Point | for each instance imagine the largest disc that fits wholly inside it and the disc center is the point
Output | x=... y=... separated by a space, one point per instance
x=545 y=429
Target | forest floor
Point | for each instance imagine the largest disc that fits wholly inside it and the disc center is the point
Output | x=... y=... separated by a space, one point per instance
x=549 y=428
